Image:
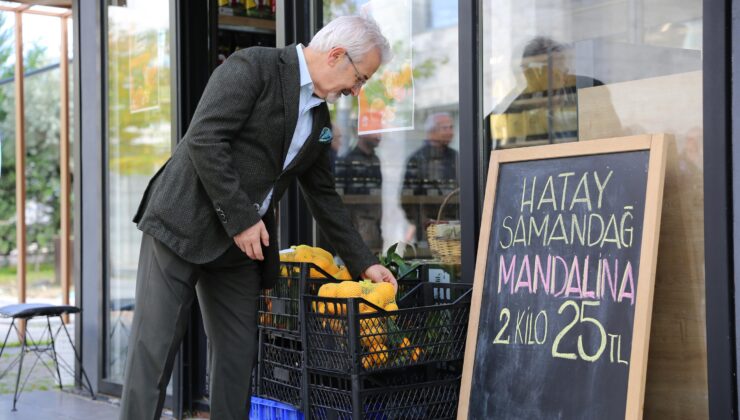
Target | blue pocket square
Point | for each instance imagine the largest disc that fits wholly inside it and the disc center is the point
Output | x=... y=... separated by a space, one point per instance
x=326 y=135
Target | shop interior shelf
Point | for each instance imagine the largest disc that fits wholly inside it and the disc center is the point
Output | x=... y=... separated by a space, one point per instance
x=540 y=98
x=405 y=199
x=512 y=143
x=248 y=24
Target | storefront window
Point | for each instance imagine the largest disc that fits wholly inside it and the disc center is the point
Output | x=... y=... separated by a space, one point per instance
x=139 y=142
x=397 y=149
x=580 y=70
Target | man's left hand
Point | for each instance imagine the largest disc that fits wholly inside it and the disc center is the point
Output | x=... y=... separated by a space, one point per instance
x=377 y=273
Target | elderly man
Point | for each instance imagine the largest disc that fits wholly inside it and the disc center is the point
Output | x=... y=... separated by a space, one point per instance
x=208 y=214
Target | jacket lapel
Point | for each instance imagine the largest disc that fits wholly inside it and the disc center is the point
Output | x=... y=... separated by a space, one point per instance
x=290 y=81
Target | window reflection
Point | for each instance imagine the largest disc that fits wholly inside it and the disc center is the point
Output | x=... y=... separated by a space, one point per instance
x=139 y=142
x=394 y=174
x=431 y=170
x=358 y=171
x=544 y=109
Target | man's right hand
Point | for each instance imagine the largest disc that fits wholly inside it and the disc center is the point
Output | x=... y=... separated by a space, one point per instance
x=249 y=240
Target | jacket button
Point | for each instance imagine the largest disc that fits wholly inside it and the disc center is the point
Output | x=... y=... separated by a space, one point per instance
x=257 y=207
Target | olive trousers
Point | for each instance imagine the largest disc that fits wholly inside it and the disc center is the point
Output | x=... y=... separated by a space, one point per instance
x=228 y=290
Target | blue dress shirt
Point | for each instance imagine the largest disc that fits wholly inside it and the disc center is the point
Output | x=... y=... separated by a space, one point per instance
x=305 y=120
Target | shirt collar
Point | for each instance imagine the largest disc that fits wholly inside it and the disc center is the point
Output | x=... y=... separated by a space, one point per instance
x=303 y=67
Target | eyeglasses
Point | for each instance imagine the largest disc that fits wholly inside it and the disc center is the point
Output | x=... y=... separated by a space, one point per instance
x=361 y=80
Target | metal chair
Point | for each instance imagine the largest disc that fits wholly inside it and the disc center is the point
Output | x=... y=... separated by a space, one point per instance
x=27 y=311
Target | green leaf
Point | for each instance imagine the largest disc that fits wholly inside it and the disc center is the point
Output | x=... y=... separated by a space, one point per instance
x=398 y=260
x=407 y=269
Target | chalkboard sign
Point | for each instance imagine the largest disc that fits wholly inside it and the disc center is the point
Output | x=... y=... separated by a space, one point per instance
x=560 y=319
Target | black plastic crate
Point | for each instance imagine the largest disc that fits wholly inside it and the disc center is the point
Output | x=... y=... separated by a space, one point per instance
x=431 y=326
x=280 y=371
x=280 y=306
x=415 y=393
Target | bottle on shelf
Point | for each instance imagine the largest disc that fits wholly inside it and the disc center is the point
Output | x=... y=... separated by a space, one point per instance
x=411 y=180
x=427 y=187
x=267 y=9
x=252 y=8
x=375 y=178
x=340 y=175
x=356 y=185
x=238 y=7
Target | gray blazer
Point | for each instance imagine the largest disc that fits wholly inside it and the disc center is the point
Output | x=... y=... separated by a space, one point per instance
x=232 y=155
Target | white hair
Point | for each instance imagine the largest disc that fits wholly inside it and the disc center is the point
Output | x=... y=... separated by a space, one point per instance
x=431 y=122
x=357 y=34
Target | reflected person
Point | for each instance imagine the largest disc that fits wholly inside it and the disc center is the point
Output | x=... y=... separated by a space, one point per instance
x=431 y=170
x=363 y=177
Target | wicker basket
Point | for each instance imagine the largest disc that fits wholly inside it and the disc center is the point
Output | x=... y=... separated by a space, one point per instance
x=446 y=250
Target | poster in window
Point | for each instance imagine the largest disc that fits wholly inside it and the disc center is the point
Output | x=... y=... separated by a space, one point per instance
x=386 y=102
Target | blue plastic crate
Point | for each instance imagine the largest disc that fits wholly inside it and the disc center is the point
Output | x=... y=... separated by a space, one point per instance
x=264 y=409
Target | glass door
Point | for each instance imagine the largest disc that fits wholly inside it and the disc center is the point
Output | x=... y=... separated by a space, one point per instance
x=139 y=140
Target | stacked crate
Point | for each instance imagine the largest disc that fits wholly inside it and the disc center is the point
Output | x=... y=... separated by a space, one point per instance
x=304 y=362
x=363 y=362
x=280 y=366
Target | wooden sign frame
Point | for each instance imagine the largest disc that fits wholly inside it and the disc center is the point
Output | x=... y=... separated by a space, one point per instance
x=656 y=144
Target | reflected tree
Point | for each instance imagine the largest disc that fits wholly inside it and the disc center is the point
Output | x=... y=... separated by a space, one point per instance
x=41 y=142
